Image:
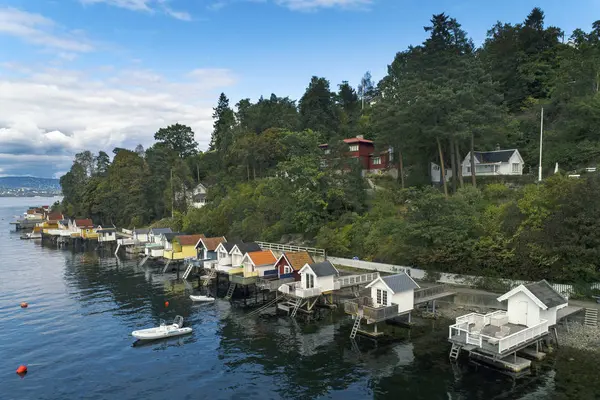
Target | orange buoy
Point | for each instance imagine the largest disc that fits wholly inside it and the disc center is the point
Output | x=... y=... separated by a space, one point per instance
x=24 y=305
x=166 y=304
x=22 y=369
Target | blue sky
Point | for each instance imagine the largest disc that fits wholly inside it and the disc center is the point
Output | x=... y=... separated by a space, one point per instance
x=96 y=74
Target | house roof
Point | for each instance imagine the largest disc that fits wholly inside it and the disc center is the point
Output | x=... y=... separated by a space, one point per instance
x=228 y=245
x=542 y=294
x=247 y=247
x=142 y=231
x=212 y=243
x=189 y=240
x=324 y=268
x=160 y=231
x=84 y=223
x=496 y=156
x=357 y=140
x=263 y=257
x=171 y=235
x=54 y=217
x=106 y=230
x=397 y=283
x=546 y=293
x=297 y=259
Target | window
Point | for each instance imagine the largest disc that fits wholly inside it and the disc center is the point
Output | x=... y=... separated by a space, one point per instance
x=353 y=147
x=515 y=167
x=376 y=160
x=384 y=298
x=287 y=269
x=310 y=281
x=469 y=170
x=327 y=151
x=379 y=296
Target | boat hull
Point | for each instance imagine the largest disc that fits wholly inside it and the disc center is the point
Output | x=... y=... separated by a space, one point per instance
x=160 y=333
x=204 y=299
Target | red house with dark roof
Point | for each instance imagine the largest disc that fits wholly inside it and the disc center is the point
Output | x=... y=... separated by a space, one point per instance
x=364 y=151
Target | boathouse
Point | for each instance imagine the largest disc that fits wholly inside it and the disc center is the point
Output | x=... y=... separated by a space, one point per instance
x=155 y=234
x=318 y=276
x=141 y=235
x=287 y=267
x=259 y=263
x=183 y=247
x=107 y=235
x=531 y=311
x=238 y=251
x=207 y=248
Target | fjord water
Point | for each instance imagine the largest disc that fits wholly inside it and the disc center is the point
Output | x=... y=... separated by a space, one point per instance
x=75 y=339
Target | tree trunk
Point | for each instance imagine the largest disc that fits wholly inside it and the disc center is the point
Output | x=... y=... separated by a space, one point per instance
x=253 y=171
x=442 y=167
x=248 y=170
x=453 y=161
x=473 y=179
x=459 y=165
x=401 y=168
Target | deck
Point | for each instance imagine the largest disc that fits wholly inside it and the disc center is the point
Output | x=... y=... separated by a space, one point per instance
x=272 y=284
x=363 y=307
x=426 y=295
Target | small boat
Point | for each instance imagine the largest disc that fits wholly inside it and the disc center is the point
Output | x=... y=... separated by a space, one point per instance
x=202 y=298
x=163 y=331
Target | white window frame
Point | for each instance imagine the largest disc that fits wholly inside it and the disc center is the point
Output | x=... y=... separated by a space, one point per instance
x=327 y=151
x=376 y=160
x=287 y=269
x=515 y=167
x=384 y=298
x=379 y=296
x=353 y=147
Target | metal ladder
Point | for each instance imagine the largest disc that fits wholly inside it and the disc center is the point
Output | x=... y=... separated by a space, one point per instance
x=356 y=291
x=230 y=291
x=455 y=351
x=355 y=327
x=296 y=308
x=187 y=272
x=117 y=250
x=591 y=317
x=144 y=260
x=207 y=278
x=264 y=307
x=166 y=266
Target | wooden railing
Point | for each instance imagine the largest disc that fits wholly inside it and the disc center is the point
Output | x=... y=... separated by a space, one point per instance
x=518 y=338
x=365 y=307
x=289 y=247
x=351 y=280
x=296 y=289
x=430 y=291
x=272 y=284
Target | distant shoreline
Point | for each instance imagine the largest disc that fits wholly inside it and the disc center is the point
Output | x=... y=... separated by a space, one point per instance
x=32 y=196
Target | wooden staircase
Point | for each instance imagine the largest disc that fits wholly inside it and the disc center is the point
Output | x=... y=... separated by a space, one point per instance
x=212 y=274
x=455 y=351
x=166 y=266
x=264 y=307
x=187 y=272
x=144 y=260
x=230 y=291
x=355 y=327
x=591 y=317
x=296 y=308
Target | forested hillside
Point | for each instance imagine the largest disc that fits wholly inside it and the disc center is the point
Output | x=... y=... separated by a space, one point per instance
x=439 y=99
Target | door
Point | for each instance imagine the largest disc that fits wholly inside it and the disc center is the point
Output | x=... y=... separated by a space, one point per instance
x=522 y=311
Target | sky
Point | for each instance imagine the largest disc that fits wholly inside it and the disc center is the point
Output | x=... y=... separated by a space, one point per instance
x=98 y=74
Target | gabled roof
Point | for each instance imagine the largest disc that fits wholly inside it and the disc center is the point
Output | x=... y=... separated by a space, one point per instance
x=54 y=217
x=143 y=231
x=106 y=230
x=263 y=257
x=357 y=140
x=324 y=268
x=228 y=246
x=160 y=231
x=84 y=223
x=542 y=294
x=296 y=259
x=212 y=243
x=189 y=240
x=169 y=236
x=397 y=283
x=246 y=247
x=495 y=156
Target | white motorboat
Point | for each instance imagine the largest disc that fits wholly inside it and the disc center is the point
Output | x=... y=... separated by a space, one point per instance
x=163 y=331
x=201 y=298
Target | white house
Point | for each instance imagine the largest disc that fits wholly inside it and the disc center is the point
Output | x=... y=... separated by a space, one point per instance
x=223 y=256
x=238 y=250
x=395 y=289
x=141 y=235
x=533 y=303
x=435 y=171
x=318 y=275
x=107 y=234
x=197 y=197
x=256 y=263
x=155 y=234
x=497 y=162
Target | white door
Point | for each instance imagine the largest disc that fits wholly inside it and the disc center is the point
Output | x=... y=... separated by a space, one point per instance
x=522 y=310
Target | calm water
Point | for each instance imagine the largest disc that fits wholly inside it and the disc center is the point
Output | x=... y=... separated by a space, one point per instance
x=75 y=339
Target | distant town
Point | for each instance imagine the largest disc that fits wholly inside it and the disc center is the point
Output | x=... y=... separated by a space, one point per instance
x=28 y=186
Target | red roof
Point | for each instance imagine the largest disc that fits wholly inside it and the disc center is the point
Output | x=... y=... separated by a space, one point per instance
x=264 y=257
x=189 y=240
x=357 y=140
x=84 y=223
x=54 y=217
x=211 y=244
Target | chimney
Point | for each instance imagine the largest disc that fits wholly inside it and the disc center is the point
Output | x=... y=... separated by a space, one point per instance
x=497 y=146
x=360 y=136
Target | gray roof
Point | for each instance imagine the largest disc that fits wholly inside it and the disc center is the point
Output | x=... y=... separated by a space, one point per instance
x=248 y=247
x=229 y=245
x=546 y=293
x=171 y=235
x=142 y=231
x=324 y=268
x=106 y=230
x=494 y=156
x=160 y=231
x=400 y=282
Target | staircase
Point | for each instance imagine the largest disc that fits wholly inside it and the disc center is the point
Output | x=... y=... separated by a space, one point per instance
x=591 y=317
x=264 y=307
x=230 y=291
x=296 y=308
x=455 y=351
x=212 y=274
x=187 y=272
x=355 y=327
x=166 y=266
x=144 y=260
x=356 y=291
x=117 y=250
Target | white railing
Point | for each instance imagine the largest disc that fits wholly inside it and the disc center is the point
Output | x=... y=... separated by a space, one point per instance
x=126 y=242
x=523 y=336
x=352 y=280
x=289 y=247
x=296 y=289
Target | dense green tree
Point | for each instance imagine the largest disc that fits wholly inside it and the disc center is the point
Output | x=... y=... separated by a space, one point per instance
x=224 y=122
x=179 y=138
x=317 y=108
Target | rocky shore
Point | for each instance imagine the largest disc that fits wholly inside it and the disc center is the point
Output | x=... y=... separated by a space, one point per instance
x=580 y=337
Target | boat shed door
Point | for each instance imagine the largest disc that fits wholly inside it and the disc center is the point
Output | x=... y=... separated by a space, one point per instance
x=523 y=309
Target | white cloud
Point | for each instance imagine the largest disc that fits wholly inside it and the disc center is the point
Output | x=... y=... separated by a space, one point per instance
x=303 y=5
x=149 y=6
x=50 y=114
x=41 y=31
